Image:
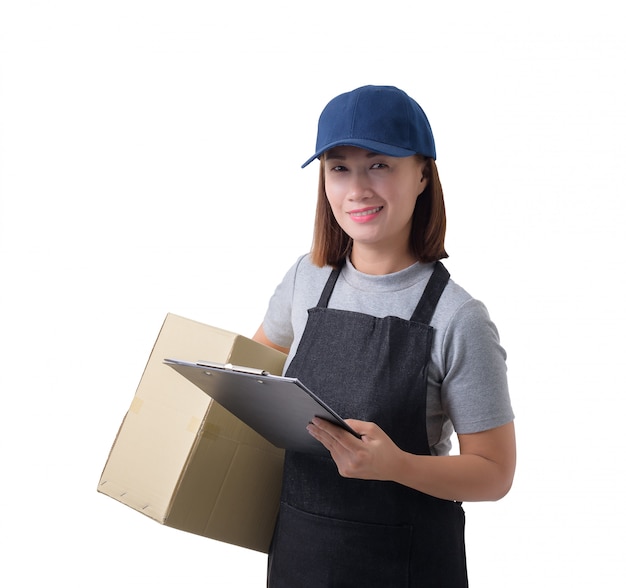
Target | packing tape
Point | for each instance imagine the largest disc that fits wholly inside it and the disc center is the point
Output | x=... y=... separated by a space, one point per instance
x=211 y=431
x=194 y=424
x=136 y=404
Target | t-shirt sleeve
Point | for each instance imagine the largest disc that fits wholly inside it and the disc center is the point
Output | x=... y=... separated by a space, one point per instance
x=277 y=322
x=474 y=390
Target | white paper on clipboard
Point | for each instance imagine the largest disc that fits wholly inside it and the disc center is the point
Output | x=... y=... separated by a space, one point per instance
x=277 y=407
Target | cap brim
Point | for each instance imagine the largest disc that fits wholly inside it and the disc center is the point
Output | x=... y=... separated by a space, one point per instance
x=374 y=146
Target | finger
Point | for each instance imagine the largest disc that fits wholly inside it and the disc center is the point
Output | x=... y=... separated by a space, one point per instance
x=326 y=439
x=335 y=436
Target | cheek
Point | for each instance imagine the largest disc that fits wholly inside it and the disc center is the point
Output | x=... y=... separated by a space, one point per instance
x=336 y=210
x=332 y=195
x=407 y=203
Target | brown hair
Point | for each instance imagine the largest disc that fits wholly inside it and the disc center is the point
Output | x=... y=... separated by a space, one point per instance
x=331 y=244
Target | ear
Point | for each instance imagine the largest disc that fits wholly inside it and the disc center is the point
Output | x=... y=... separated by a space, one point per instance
x=425 y=174
x=422 y=186
x=424 y=180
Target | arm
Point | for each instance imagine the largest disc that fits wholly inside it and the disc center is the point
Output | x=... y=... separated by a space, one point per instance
x=483 y=471
x=261 y=337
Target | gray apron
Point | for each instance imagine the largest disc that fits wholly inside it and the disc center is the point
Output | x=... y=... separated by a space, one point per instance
x=338 y=532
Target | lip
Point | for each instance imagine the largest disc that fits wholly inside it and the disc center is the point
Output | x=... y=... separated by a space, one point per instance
x=363 y=215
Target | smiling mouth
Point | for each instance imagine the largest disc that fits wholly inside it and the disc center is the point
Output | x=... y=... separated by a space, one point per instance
x=367 y=212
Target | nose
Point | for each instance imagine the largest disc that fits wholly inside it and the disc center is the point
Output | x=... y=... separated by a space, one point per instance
x=359 y=187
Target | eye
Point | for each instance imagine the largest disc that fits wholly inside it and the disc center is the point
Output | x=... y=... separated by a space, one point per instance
x=338 y=168
x=380 y=166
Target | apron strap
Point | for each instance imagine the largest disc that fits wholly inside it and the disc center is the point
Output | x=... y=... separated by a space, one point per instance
x=428 y=302
x=328 y=289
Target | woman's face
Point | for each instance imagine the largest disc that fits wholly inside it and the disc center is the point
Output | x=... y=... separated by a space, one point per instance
x=373 y=196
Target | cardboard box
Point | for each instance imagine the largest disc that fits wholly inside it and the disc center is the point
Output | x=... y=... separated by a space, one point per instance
x=182 y=459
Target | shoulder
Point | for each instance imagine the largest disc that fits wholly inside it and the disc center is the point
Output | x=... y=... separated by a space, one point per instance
x=465 y=328
x=301 y=280
x=306 y=276
x=471 y=363
x=299 y=290
x=457 y=306
x=306 y=269
x=454 y=305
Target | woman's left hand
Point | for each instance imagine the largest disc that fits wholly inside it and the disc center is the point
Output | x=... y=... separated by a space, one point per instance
x=369 y=458
x=483 y=471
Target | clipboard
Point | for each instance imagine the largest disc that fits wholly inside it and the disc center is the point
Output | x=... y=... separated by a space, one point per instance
x=277 y=407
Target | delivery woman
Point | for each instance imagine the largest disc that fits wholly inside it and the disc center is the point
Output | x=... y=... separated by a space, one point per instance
x=373 y=324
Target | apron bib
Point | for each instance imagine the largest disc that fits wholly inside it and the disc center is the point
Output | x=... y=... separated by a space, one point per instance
x=338 y=532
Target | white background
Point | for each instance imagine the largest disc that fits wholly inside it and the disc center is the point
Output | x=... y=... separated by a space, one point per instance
x=150 y=159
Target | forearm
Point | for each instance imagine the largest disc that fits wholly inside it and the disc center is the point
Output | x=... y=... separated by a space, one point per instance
x=484 y=469
x=465 y=478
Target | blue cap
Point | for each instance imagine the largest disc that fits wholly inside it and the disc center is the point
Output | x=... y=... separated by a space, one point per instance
x=383 y=119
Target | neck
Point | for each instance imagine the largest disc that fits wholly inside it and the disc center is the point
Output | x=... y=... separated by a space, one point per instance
x=378 y=263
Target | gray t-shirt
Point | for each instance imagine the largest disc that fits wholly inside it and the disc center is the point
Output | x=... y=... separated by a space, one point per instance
x=467 y=383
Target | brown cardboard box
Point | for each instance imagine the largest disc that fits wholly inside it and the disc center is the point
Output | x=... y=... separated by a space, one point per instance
x=182 y=459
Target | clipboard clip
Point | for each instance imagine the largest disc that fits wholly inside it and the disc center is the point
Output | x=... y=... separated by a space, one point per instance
x=234 y=368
